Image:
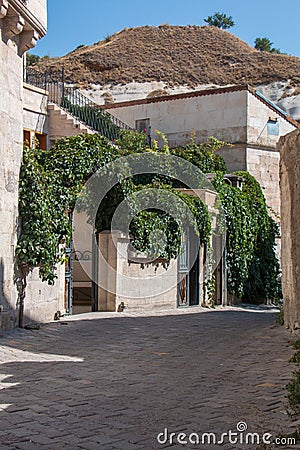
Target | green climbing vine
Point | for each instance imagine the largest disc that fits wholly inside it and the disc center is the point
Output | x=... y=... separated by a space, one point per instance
x=254 y=270
x=50 y=182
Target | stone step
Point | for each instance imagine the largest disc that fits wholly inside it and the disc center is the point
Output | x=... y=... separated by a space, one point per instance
x=62 y=124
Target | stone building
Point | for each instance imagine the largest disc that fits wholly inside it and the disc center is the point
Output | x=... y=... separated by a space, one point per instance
x=22 y=23
x=29 y=112
x=289 y=147
x=239 y=115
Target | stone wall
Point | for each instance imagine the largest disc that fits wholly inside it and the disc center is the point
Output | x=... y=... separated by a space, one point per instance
x=35 y=113
x=61 y=124
x=19 y=31
x=264 y=166
x=140 y=285
x=264 y=124
x=11 y=138
x=223 y=116
x=289 y=147
x=239 y=117
x=41 y=301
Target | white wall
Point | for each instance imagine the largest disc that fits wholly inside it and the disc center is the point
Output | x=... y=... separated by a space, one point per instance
x=11 y=137
x=35 y=115
x=258 y=115
x=15 y=35
x=220 y=115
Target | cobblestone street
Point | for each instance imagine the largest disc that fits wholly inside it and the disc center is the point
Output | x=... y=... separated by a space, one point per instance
x=116 y=382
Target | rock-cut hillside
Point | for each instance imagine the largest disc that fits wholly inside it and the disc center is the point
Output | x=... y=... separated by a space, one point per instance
x=182 y=56
x=177 y=55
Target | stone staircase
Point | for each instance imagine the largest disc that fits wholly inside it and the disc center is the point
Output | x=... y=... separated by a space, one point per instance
x=71 y=112
x=62 y=123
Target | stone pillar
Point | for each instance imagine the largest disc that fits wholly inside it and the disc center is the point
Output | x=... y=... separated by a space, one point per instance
x=107 y=270
x=289 y=147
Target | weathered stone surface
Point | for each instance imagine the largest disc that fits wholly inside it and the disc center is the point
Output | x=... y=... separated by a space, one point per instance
x=11 y=136
x=289 y=147
x=16 y=18
x=61 y=124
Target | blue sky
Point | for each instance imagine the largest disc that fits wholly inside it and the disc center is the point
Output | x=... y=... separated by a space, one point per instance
x=75 y=22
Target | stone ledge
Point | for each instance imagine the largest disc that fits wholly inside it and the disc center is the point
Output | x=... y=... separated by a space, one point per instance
x=32 y=88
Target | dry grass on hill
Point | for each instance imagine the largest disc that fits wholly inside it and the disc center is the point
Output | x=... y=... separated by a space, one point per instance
x=178 y=55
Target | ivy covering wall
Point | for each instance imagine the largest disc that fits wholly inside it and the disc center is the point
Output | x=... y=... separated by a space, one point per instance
x=50 y=182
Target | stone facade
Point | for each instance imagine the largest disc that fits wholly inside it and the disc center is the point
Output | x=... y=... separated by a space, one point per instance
x=21 y=25
x=35 y=109
x=61 y=124
x=25 y=113
x=238 y=115
x=289 y=147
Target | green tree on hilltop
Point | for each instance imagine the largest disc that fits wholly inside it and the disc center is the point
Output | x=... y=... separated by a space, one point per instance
x=265 y=45
x=220 y=20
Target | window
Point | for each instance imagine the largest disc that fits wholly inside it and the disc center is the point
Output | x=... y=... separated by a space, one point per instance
x=41 y=140
x=273 y=127
x=34 y=139
x=143 y=125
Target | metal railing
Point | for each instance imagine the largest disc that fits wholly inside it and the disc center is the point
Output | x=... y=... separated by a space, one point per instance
x=50 y=80
x=74 y=102
x=34 y=77
x=91 y=114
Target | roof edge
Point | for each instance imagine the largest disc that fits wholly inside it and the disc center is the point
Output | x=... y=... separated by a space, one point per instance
x=164 y=98
x=205 y=92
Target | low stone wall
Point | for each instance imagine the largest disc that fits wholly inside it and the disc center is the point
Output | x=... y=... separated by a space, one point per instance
x=289 y=147
x=42 y=301
x=139 y=285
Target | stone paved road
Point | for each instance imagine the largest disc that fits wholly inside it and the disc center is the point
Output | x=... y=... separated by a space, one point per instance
x=115 y=383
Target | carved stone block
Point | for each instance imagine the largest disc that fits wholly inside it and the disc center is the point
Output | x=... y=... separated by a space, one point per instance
x=3 y=8
x=14 y=25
